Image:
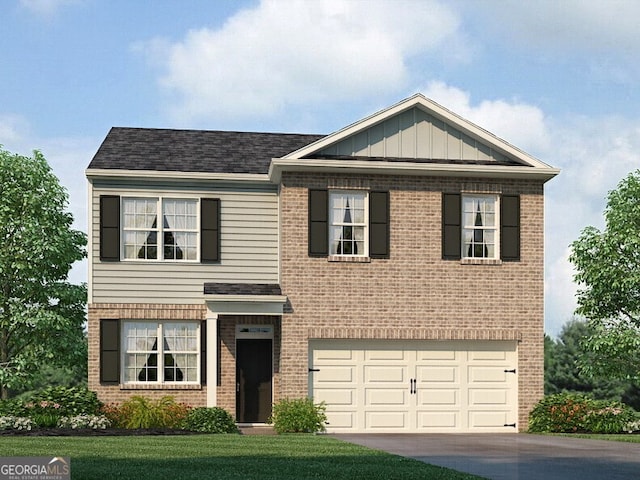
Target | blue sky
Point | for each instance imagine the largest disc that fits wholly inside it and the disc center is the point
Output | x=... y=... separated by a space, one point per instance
x=559 y=79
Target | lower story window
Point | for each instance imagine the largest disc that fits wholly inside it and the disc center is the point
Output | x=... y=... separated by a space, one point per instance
x=161 y=352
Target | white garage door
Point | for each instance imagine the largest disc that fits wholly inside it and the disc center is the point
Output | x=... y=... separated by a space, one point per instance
x=415 y=386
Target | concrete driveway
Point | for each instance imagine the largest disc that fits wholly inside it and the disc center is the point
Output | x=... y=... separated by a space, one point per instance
x=516 y=456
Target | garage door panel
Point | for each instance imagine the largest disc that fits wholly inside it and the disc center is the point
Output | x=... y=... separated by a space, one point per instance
x=386 y=374
x=488 y=419
x=377 y=420
x=335 y=396
x=482 y=374
x=438 y=397
x=375 y=396
x=437 y=355
x=437 y=374
x=385 y=354
x=341 y=420
x=328 y=374
x=337 y=354
x=430 y=420
x=498 y=397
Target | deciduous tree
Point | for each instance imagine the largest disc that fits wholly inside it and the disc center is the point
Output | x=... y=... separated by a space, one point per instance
x=41 y=313
x=607 y=267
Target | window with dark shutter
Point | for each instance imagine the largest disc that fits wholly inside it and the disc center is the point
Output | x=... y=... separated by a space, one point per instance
x=510 y=228
x=451 y=232
x=109 y=228
x=318 y=223
x=379 y=224
x=210 y=230
x=110 y=351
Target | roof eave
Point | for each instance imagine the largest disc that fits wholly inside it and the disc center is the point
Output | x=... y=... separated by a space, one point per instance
x=150 y=175
x=280 y=165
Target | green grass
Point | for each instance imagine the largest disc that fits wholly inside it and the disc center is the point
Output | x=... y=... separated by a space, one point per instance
x=609 y=437
x=224 y=457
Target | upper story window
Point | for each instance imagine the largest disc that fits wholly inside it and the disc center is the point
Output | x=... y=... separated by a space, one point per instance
x=348 y=223
x=348 y=217
x=161 y=352
x=479 y=226
x=160 y=229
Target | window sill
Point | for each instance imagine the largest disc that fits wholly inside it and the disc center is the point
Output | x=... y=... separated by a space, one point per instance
x=348 y=259
x=481 y=261
x=159 y=386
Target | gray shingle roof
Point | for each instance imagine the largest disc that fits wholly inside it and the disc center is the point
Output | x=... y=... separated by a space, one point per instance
x=242 y=289
x=208 y=151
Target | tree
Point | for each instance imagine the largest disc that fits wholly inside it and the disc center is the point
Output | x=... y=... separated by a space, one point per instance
x=607 y=265
x=41 y=314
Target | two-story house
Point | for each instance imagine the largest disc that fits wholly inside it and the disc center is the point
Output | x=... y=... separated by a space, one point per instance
x=392 y=269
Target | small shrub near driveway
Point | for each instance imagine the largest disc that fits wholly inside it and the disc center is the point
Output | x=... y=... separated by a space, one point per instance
x=575 y=412
x=209 y=420
x=298 y=415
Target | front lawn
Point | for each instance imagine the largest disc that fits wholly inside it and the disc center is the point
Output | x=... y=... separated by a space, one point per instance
x=223 y=457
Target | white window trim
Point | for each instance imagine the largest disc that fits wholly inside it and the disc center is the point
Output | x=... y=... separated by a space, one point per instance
x=160 y=230
x=496 y=229
x=160 y=353
x=365 y=224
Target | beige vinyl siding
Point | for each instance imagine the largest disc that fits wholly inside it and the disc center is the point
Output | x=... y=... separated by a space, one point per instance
x=249 y=249
x=414 y=134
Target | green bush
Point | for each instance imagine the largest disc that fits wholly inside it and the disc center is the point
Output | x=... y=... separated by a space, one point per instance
x=12 y=408
x=71 y=400
x=299 y=415
x=141 y=412
x=575 y=412
x=209 y=420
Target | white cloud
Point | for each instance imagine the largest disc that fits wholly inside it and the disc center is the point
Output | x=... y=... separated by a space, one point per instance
x=46 y=7
x=285 y=53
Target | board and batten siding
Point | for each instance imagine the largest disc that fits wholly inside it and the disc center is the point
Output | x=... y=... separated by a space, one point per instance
x=414 y=134
x=249 y=249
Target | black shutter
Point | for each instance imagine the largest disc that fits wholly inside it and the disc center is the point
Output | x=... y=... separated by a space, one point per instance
x=510 y=228
x=203 y=352
x=318 y=223
x=379 y=224
x=110 y=351
x=451 y=232
x=209 y=230
x=110 y=228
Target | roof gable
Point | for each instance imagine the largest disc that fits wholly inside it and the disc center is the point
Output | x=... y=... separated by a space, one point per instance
x=417 y=129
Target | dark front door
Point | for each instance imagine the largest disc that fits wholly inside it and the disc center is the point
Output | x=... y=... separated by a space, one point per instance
x=253 y=380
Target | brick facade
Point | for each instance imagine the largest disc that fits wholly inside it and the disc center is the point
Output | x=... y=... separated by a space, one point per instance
x=414 y=294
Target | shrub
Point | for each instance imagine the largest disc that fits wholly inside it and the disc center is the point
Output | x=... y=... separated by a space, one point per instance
x=209 y=420
x=299 y=415
x=12 y=408
x=575 y=412
x=95 y=422
x=72 y=400
x=141 y=412
x=12 y=422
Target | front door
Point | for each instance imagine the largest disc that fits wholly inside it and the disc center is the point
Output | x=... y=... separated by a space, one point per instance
x=254 y=371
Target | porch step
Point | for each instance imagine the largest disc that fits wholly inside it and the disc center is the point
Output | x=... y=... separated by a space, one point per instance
x=256 y=430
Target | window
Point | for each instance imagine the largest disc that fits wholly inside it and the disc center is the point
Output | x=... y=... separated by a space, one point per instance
x=174 y=236
x=479 y=226
x=161 y=352
x=348 y=223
